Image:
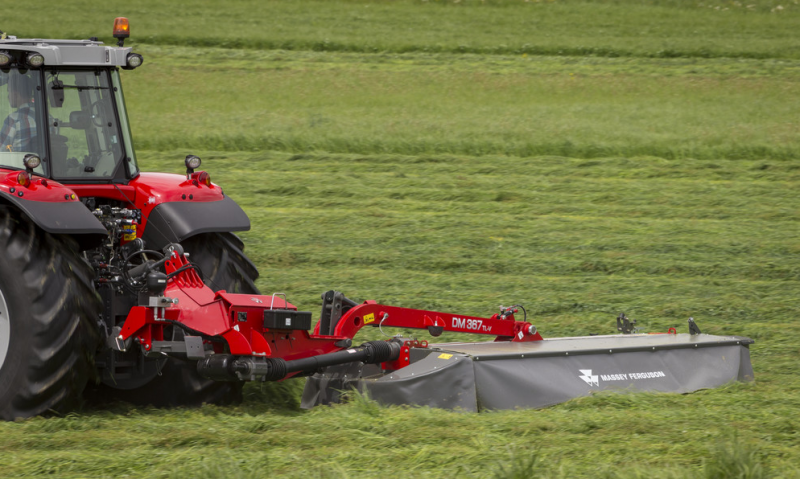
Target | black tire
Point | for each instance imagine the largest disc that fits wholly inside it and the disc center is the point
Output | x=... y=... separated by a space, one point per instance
x=225 y=267
x=223 y=262
x=50 y=331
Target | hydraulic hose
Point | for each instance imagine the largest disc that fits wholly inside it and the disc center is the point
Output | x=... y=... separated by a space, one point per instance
x=370 y=352
x=230 y=368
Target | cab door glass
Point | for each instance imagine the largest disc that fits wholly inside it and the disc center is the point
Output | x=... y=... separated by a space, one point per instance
x=21 y=113
x=84 y=132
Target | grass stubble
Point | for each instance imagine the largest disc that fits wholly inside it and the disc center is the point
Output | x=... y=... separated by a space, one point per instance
x=364 y=238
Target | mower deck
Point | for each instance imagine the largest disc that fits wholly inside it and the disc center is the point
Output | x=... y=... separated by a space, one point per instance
x=508 y=375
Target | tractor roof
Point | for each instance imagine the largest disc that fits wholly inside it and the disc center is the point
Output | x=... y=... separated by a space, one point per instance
x=73 y=53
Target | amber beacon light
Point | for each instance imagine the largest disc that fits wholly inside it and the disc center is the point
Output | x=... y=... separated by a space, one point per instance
x=121 y=29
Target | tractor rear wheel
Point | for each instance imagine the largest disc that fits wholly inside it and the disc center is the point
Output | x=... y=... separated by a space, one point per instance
x=48 y=320
x=225 y=267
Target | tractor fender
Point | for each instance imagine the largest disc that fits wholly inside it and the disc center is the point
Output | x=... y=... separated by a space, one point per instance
x=176 y=207
x=176 y=221
x=57 y=210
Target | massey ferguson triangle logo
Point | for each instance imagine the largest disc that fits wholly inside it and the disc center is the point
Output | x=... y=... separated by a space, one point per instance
x=592 y=380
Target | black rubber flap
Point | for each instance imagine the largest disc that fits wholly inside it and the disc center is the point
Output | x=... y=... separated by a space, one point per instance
x=508 y=375
x=541 y=381
x=440 y=380
x=326 y=388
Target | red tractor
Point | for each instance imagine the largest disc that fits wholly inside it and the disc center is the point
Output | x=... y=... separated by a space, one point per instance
x=136 y=284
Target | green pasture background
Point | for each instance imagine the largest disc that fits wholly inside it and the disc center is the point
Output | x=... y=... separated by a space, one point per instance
x=583 y=158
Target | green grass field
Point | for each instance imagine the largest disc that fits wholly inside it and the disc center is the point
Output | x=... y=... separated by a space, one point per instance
x=582 y=158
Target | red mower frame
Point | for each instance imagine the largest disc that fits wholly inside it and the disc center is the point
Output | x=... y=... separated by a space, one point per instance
x=234 y=324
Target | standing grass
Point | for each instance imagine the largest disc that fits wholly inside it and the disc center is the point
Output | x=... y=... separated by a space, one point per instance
x=465 y=105
x=608 y=28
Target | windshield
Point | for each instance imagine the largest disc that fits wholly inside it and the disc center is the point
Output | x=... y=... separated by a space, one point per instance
x=22 y=115
x=84 y=132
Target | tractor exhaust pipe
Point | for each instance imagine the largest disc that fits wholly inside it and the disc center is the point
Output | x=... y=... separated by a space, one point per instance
x=227 y=368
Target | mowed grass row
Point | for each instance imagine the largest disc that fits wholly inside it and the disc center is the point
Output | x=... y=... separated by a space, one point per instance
x=702 y=435
x=610 y=28
x=577 y=241
x=465 y=234
x=465 y=104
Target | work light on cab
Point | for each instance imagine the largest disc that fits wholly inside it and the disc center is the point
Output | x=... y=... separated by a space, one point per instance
x=192 y=162
x=31 y=161
x=35 y=60
x=121 y=30
x=133 y=60
x=5 y=58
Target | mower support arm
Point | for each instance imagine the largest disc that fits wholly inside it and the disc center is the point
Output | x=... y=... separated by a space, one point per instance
x=373 y=314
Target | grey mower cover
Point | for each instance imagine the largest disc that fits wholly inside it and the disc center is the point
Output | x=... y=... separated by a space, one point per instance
x=508 y=375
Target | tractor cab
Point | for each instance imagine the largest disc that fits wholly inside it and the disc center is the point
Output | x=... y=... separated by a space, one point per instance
x=62 y=101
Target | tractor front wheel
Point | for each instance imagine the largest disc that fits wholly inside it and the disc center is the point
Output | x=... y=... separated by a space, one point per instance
x=48 y=320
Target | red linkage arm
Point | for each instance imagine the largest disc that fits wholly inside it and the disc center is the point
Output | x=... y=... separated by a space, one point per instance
x=373 y=314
